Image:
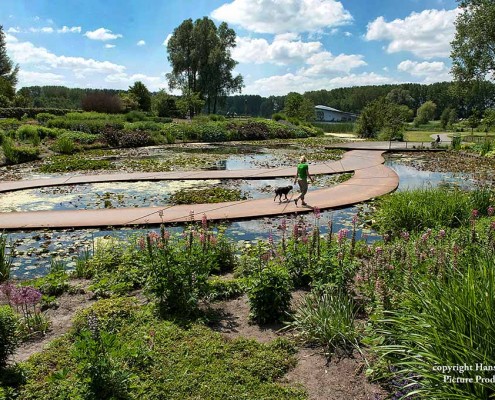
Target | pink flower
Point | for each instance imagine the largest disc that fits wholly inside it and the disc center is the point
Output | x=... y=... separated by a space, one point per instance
x=342 y=235
x=270 y=239
x=283 y=225
x=25 y=295
x=405 y=236
x=475 y=213
x=441 y=233
x=304 y=239
x=142 y=243
x=379 y=250
x=202 y=238
x=204 y=222
x=490 y=211
x=317 y=213
x=355 y=218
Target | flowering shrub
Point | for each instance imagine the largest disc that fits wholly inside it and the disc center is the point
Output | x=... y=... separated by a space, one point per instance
x=8 y=334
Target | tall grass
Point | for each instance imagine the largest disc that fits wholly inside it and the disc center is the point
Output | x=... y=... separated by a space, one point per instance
x=449 y=322
x=419 y=209
x=327 y=319
x=5 y=260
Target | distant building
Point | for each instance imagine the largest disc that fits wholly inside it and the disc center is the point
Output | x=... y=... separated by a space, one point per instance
x=329 y=114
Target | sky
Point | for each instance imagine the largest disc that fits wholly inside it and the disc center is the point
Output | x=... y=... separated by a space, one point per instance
x=282 y=45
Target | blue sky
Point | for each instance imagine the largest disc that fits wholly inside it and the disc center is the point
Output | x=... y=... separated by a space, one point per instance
x=282 y=45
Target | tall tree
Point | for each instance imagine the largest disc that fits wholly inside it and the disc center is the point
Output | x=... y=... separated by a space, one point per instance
x=473 y=48
x=8 y=71
x=142 y=94
x=200 y=55
x=298 y=106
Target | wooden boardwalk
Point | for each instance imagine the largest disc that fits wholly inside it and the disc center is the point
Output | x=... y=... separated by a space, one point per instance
x=371 y=179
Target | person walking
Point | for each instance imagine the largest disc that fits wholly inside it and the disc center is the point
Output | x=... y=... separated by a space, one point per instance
x=302 y=175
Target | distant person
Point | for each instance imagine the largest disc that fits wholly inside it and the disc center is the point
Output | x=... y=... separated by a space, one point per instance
x=438 y=140
x=302 y=175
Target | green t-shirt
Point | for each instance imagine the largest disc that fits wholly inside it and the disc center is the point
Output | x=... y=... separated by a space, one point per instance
x=302 y=171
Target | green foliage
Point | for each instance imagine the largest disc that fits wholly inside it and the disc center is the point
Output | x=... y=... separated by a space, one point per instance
x=418 y=209
x=9 y=338
x=200 y=55
x=112 y=314
x=65 y=163
x=16 y=154
x=18 y=112
x=425 y=113
x=142 y=94
x=43 y=117
x=279 y=116
x=55 y=283
x=162 y=360
x=223 y=289
x=164 y=105
x=65 y=145
x=80 y=137
x=214 y=194
x=93 y=125
x=8 y=71
x=269 y=294
x=5 y=259
x=101 y=101
x=382 y=116
x=298 y=106
x=326 y=319
x=127 y=138
x=448 y=321
x=473 y=45
x=178 y=271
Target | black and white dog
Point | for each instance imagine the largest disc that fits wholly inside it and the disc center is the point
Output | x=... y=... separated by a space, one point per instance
x=282 y=191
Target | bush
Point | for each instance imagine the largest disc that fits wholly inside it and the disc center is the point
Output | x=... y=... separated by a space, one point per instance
x=80 y=137
x=94 y=126
x=269 y=294
x=102 y=102
x=8 y=334
x=326 y=319
x=143 y=126
x=18 y=154
x=224 y=289
x=134 y=116
x=278 y=117
x=65 y=145
x=18 y=112
x=112 y=314
x=44 y=117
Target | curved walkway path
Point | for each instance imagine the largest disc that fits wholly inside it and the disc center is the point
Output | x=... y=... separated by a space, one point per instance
x=370 y=179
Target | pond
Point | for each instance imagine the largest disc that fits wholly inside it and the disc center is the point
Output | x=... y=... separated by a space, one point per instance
x=34 y=250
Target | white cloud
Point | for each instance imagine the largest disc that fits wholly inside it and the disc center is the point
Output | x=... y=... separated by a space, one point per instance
x=426 y=34
x=326 y=63
x=28 y=78
x=46 y=29
x=102 y=34
x=279 y=16
x=431 y=72
x=165 y=42
x=66 y=29
x=27 y=53
x=141 y=43
x=283 y=84
x=109 y=46
x=13 y=30
x=282 y=51
x=153 y=83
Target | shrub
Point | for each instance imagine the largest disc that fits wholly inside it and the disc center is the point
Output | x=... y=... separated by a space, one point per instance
x=19 y=112
x=112 y=314
x=80 y=137
x=44 y=117
x=278 y=117
x=135 y=139
x=134 y=116
x=269 y=294
x=8 y=334
x=65 y=145
x=94 y=126
x=224 y=289
x=102 y=102
x=18 y=154
x=143 y=126
x=326 y=319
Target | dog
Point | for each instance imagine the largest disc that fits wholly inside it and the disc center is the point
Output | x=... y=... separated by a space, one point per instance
x=282 y=191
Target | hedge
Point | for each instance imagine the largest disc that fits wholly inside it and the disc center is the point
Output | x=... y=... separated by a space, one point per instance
x=19 y=112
